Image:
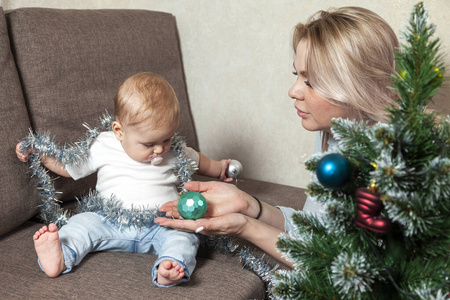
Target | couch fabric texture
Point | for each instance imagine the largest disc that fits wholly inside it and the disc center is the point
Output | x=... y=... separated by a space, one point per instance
x=60 y=69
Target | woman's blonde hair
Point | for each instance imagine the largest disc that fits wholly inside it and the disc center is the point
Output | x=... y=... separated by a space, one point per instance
x=350 y=60
x=146 y=97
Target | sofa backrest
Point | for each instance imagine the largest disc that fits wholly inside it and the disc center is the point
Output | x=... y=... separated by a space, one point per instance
x=70 y=63
x=18 y=200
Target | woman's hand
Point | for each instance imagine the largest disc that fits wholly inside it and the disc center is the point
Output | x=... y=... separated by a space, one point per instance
x=224 y=216
x=222 y=199
x=230 y=224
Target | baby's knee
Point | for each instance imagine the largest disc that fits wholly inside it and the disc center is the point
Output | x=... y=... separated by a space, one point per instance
x=83 y=221
x=86 y=218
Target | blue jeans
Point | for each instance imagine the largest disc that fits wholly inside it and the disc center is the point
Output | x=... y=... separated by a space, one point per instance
x=88 y=232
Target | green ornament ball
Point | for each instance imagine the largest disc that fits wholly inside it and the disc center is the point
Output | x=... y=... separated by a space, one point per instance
x=192 y=205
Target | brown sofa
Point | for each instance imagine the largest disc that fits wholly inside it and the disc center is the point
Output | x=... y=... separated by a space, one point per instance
x=59 y=69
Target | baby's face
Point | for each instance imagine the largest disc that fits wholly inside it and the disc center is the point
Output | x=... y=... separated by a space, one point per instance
x=146 y=144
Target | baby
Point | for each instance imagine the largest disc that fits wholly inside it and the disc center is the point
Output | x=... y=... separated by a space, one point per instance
x=134 y=164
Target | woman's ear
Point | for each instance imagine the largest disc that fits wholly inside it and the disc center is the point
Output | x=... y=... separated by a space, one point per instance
x=118 y=130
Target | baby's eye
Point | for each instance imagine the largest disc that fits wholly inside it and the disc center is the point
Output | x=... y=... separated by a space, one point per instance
x=307 y=83
x=295 y=73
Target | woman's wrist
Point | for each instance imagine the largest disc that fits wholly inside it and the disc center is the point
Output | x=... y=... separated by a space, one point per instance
x=253 y=207
x=260 y=208
x=265 y=213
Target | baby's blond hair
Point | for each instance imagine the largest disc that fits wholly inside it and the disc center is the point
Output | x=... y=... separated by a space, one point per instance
x=146 y=97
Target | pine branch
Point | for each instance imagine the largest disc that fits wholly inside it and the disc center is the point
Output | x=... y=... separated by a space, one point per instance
x=420 y=66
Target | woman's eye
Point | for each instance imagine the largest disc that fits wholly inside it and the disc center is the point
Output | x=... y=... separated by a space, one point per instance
x=295 y=73
x=307 y=83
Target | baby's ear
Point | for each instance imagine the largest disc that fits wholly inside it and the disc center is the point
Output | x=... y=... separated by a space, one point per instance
x=118 y=130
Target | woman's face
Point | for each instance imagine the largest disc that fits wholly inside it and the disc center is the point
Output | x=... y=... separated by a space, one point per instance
x=315 y=111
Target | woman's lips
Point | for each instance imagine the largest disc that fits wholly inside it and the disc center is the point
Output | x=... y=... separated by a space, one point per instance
x=301 y=113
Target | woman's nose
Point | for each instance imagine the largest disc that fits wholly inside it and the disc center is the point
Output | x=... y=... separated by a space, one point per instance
x=295 y=92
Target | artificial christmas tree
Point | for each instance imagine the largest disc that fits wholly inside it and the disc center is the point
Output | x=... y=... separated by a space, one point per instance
x=386 y=233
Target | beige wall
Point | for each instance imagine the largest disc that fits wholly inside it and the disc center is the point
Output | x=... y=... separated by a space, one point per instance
x=238 y=65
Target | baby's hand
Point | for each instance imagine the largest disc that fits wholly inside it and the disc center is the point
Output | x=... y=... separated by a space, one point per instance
x=223 y=173
x=22 y=156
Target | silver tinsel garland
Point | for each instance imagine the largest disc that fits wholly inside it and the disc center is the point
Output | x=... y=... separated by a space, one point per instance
x=260 y=266
x=111 y=209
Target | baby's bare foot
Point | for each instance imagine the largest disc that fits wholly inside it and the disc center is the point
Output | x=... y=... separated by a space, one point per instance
x=169 y=272
x=49 y=251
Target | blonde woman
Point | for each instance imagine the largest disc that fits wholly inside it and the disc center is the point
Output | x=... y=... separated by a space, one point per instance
x=344 y=59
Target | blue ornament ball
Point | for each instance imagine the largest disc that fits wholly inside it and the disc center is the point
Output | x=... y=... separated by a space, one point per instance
x=334 y=171
x=192 y=205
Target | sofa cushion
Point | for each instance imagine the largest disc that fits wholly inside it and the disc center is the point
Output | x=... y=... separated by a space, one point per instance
x=71 y=61
x=18 y=200
x=116 y=276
